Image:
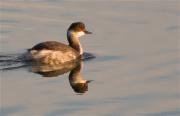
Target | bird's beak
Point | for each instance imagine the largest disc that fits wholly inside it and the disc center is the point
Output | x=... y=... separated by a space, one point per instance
x=88 y=81
x=87 y=32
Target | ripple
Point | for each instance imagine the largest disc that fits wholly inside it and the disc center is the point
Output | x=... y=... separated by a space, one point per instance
x=8 y=21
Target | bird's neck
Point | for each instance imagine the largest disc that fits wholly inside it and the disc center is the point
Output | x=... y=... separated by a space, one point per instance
x=74 y=42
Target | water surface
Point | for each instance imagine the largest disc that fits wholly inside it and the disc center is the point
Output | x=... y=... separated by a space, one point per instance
x=135 y=72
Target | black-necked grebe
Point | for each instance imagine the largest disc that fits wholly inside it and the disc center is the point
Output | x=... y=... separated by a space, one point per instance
x=52 y=52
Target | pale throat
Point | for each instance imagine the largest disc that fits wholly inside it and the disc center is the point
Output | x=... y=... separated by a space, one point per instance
x=74 y=42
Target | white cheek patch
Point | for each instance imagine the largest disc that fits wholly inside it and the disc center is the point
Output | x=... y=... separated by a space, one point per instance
x=81 y=33
x=76 y=34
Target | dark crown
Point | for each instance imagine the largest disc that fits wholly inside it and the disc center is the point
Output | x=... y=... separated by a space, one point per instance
x=77 y=26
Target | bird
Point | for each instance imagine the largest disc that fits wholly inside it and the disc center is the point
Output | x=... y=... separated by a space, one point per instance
x=55 y=53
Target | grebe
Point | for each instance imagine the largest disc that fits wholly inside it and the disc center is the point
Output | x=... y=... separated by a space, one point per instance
x=52 y=52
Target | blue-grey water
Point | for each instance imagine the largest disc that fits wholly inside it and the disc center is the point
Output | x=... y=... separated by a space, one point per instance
x=135 y=72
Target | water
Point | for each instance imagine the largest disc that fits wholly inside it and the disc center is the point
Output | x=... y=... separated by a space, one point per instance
x=135 y=72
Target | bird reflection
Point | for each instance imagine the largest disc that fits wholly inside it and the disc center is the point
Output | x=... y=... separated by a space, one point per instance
x=76 y=81
x=78 y=84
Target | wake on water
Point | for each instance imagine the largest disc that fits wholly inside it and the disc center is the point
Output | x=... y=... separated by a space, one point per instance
x=12 y=61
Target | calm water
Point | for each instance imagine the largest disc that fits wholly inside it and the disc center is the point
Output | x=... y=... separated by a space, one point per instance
x=135 y=72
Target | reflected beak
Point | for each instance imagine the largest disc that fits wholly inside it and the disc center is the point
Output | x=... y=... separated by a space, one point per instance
x=87 y=32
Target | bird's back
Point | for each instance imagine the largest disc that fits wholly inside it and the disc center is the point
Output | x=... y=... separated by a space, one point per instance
x=52 y=45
